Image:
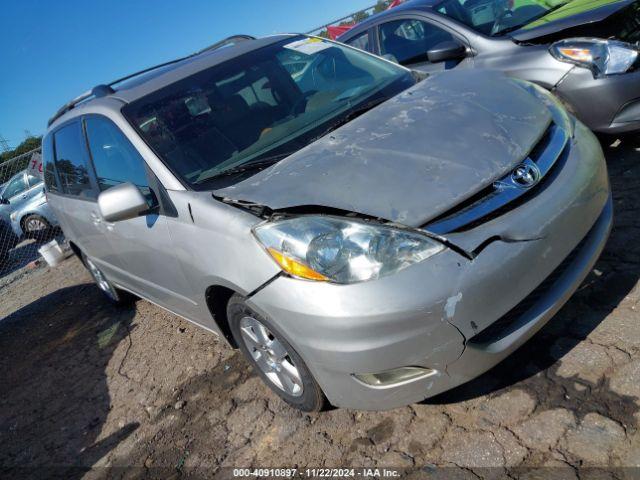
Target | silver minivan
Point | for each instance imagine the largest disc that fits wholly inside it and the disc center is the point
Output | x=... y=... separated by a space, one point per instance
x=368 y=236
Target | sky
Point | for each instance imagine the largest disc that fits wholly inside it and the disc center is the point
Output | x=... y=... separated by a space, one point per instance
x=52 y=51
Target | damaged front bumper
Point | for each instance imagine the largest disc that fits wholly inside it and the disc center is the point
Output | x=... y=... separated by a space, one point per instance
x=433 y=314
x=608 y=105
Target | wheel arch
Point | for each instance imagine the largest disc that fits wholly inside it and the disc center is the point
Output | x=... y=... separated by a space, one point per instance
x=76 y=250
x=217 y=297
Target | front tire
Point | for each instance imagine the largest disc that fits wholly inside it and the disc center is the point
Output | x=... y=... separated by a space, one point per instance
x=113 y=294
x=275 y=360
x=36 y=227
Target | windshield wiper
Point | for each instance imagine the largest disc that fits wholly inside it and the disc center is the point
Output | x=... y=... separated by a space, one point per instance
x=247 y=167
x=273 y=159
x=356 y=112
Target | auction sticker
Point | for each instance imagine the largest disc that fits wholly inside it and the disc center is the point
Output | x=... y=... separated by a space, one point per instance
x=308 y=46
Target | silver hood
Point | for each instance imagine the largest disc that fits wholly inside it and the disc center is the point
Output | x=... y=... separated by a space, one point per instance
x=413 y=157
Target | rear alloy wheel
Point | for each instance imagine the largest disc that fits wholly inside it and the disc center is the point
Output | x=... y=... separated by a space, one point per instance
x=113 y=294
x=275 y=360
x=35 y=226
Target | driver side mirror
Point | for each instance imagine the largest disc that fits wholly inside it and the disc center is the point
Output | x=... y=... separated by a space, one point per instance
x=449 y=50
x=122 y=202
x=4 y=201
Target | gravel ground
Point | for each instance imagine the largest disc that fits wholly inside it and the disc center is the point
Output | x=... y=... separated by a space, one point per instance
x=87 y=385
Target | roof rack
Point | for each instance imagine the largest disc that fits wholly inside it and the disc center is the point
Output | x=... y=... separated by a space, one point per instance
x=107 y=89
x=232 y=40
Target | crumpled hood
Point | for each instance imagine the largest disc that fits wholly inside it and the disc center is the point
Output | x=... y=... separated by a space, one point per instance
x=413 y=157
x=574 y=14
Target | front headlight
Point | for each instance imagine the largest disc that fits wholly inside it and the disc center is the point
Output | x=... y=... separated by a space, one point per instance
x=13 y=216
x=555 y=106
x=342 y=251
x=602 y=57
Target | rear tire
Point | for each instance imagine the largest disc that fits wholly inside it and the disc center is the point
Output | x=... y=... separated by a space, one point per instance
x=114 y=295
x=275 y=360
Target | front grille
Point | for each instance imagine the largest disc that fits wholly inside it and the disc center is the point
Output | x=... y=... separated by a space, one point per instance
x=504 y=325
x=497 y=199
x=526 y=196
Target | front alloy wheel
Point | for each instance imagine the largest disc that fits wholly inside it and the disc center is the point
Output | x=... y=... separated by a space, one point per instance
x=36 y=227
x=275 y=360
x=271 y=357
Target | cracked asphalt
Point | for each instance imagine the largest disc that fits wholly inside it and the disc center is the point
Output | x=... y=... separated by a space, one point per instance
x=91 y=390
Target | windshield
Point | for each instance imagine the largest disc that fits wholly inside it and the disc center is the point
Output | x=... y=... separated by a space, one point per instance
x=497 y=17
x=261 y=105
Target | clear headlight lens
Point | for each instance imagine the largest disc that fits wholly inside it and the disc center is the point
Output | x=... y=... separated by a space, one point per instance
x=602 y=57
x=13 y=216
x=342 y=251
x=555 y=106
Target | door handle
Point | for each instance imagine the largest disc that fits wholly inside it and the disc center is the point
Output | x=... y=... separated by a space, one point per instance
x=24 y=195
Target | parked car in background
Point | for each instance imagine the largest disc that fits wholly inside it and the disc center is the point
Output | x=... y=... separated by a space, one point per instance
x=586 y=52
x=356 y=231
x=24 y=205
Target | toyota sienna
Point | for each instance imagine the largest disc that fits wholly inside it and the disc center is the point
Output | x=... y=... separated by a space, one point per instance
x=366 y=236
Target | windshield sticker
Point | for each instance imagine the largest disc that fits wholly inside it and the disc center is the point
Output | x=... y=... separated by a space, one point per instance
x=308 y=46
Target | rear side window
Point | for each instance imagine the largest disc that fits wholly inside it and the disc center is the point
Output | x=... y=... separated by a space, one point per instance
x=360 y=41
x=71 y=161
x=409 y=40
x=114 y=158
x=50 y=179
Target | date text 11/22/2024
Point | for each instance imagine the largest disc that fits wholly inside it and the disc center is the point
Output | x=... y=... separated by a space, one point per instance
x=317 y=472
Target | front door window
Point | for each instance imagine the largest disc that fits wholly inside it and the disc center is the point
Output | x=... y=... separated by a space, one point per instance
x=408 y=41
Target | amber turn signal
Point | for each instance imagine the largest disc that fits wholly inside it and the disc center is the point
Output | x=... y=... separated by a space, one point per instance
x=577 y=54
x=295 y=268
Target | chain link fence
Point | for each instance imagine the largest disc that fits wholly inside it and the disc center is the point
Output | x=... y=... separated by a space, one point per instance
x=26 y=220
x=337 y=27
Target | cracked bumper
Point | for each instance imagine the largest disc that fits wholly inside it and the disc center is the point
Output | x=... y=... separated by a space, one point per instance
x=608 y=105
x=480 y=356
x=424 y=315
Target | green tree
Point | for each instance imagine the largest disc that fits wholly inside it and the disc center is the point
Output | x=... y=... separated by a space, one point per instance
x=381 y=6
x=27 y=145
x=359 y=16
